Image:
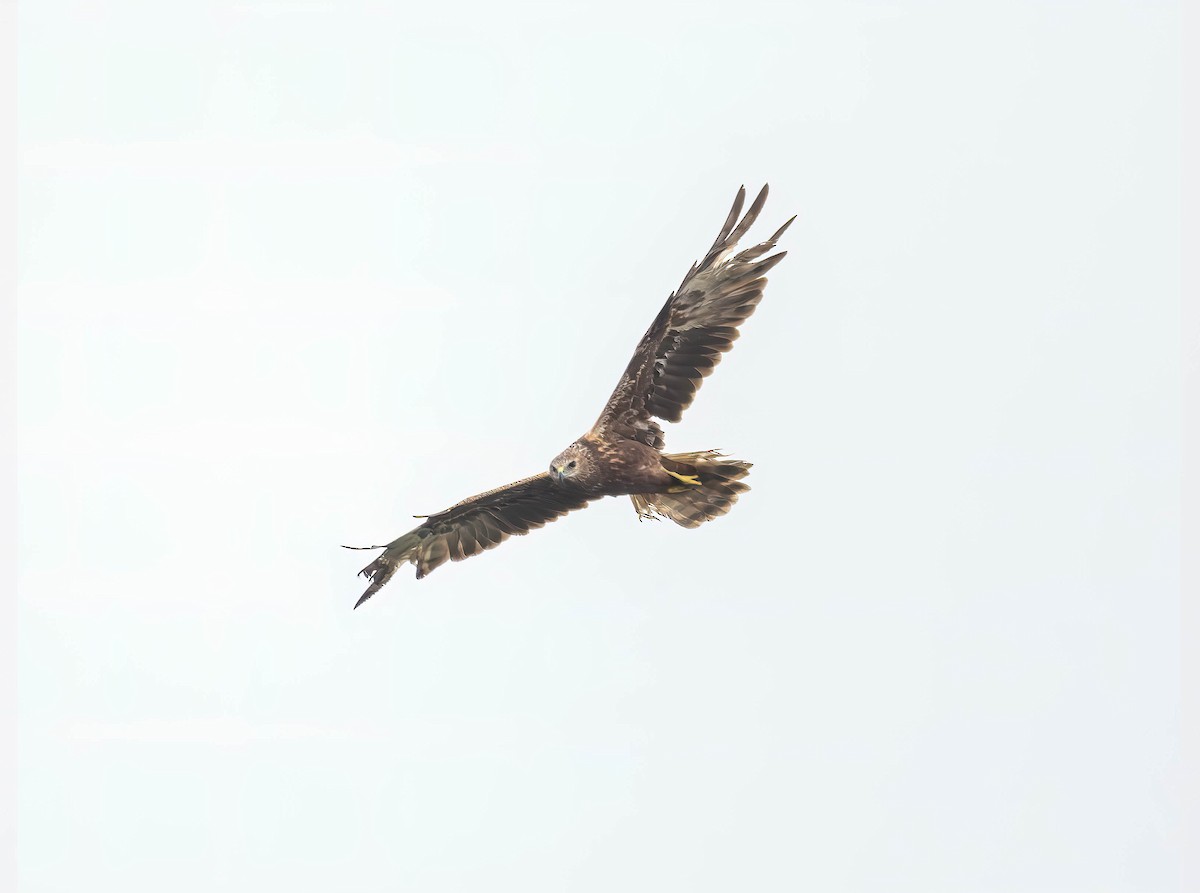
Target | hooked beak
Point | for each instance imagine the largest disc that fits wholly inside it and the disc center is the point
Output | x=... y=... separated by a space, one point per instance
x=556 y=472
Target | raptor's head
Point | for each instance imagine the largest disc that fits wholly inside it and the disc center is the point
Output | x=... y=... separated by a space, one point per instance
x=572 y=464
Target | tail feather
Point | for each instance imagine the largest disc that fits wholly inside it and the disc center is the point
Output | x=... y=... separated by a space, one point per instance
x=690 y=506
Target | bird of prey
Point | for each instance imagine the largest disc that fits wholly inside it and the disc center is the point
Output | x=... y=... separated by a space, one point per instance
x=622 y=455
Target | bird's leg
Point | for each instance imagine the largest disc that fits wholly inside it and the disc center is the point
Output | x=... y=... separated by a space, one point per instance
x=684 y=478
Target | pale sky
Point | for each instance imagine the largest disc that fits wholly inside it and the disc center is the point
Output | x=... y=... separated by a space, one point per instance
x=292 y=272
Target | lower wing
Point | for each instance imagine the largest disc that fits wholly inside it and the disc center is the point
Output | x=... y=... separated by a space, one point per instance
x=473 y=525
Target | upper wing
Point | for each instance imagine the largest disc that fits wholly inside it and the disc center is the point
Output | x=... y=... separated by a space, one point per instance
x=694 y=328
x=471 y=526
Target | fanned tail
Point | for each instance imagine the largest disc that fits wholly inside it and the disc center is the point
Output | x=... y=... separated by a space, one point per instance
x=690 y=505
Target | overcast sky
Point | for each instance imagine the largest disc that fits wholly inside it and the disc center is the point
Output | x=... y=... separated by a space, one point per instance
x=292 y=272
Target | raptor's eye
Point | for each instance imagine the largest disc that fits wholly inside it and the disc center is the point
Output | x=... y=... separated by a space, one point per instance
x=571 y=464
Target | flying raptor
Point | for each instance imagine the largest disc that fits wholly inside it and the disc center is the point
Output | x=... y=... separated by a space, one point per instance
x=623 y=453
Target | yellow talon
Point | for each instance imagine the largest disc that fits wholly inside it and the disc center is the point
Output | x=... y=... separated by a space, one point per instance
x=685 y=478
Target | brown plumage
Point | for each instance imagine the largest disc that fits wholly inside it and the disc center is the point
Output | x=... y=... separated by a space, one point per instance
x=622 y=454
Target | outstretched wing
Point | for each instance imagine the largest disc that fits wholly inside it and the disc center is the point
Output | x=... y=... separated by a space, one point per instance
x=695 y=327
x=471 y=526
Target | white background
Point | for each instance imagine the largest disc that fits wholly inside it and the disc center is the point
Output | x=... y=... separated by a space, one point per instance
x=292 y=272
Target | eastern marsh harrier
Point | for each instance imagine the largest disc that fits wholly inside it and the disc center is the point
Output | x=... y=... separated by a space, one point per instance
x=622 y=454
